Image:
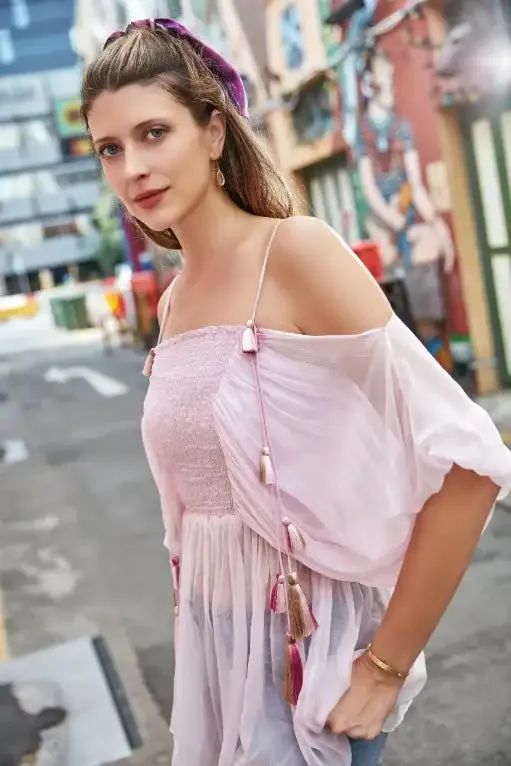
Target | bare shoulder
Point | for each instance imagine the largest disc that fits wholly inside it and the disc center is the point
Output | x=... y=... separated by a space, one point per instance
x=328 y=288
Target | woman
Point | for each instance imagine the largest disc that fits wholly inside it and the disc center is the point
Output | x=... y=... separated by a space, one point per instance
x=323 y=482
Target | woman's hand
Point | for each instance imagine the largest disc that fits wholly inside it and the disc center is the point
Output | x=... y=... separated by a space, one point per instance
x=363 y=709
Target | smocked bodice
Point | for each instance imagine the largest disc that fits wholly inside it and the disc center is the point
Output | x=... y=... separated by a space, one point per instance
x=178 y=422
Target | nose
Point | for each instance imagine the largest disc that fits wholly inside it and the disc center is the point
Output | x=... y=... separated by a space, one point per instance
x=134 y=165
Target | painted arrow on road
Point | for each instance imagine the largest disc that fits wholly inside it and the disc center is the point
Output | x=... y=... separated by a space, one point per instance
x=103 y=384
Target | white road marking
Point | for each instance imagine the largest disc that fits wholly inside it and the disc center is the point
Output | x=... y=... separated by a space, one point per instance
x=13 y=451
x=103 y=384
x=43 y=524
x=52 y=576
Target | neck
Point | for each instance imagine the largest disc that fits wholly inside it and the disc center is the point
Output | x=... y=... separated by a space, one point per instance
x=210 y=231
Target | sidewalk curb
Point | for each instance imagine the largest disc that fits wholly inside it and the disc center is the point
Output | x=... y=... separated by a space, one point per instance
x=154 y=733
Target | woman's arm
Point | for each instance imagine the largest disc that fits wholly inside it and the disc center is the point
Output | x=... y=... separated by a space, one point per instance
x=332 y=293
x=444 y=538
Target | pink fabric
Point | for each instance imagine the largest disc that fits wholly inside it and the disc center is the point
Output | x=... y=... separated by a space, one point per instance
x=359 y=443
x=362 y=431
x=228 y=702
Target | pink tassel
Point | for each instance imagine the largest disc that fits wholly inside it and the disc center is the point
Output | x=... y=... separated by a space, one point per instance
x=148 y=365
x=266 y=472
x=278 y=595
x=176 y=572
x=249 y=341
x=293 y=672
x=295 y=539
x=176 y=576
x=301 y=621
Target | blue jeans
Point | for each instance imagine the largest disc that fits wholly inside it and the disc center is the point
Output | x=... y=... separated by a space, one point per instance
x=367 y=752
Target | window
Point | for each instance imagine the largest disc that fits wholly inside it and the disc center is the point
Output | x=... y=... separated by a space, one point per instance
x=20 y=14
x=46 y=183
x=27 y=234
x=38 y=135
x=10 y=137
x=16 y=187
x=63 y=229
x=73 y=177
x=7 y=54
x=291 y=36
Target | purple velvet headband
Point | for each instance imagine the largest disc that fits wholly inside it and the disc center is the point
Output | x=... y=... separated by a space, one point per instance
x=221 y=69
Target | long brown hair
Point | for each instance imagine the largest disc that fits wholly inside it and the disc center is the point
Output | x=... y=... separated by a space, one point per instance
x=155 y=56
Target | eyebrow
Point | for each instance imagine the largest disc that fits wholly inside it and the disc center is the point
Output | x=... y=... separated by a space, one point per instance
x=136 y=129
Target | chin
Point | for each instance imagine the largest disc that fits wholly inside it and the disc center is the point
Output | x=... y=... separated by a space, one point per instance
x=159 y=220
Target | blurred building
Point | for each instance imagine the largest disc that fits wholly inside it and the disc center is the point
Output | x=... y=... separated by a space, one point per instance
x=49 y=181
x=377 y=111
x=473 y=97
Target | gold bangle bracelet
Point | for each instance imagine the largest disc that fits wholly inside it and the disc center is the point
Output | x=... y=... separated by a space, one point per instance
x=384 y=666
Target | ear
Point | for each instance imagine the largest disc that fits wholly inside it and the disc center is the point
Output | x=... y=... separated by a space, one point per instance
x=216 y=131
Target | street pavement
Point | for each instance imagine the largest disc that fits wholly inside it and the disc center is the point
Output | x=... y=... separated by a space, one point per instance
x=81 y=555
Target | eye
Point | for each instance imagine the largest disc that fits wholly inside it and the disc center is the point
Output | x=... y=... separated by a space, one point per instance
x=156 y=133
x=110 y=150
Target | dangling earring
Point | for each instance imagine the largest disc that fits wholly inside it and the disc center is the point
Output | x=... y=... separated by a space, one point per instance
x=220 y=178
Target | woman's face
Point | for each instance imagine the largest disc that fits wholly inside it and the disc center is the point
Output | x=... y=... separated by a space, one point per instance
x=154 y=155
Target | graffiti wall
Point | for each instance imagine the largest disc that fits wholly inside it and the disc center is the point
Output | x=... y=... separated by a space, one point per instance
x=388 y=124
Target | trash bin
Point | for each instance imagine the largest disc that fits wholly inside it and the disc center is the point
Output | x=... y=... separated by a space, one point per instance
x=70 y=312
x=57 y=311
x=77 y=317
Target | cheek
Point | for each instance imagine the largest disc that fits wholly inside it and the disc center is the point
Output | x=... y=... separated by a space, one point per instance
x=190 y=161
x=195 y=175
x=112 y=172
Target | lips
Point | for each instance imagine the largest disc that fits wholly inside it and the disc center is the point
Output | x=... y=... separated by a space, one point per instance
x=150 y=199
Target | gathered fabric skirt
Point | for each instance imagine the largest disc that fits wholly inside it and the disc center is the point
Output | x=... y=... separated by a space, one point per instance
x=229 y=708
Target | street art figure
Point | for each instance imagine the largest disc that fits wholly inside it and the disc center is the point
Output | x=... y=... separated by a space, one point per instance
x=400 y=214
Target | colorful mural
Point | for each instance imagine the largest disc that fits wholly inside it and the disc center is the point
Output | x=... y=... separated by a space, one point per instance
x=400 y=214
x=382 y=124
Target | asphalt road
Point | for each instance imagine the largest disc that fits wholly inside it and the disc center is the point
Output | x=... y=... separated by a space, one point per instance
x=81 y=552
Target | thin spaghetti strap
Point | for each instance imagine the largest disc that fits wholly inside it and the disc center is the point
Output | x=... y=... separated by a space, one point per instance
x=166 y=309
x=148 y=365
x=263 y=270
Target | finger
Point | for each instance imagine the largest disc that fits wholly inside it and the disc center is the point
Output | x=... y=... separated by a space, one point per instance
x=364 y=731
x=338 y=724
x=356 y=732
